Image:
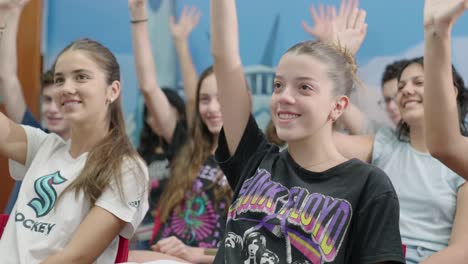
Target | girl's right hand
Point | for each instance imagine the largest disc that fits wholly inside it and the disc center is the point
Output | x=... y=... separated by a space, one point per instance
x=137 y=9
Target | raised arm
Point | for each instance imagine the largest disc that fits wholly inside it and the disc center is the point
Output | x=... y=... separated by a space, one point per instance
x=443 y=137
x=232 y=87
x=10 y=87
x=158 y=105
x=13 y=141
x=181 y=30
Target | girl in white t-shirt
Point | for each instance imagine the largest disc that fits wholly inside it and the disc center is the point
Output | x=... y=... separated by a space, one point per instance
x=432 y=196
x=78 y=195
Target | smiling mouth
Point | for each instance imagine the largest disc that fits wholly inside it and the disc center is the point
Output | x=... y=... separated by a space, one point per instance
x=288 y=116
x=67 y=103
x=412 y=102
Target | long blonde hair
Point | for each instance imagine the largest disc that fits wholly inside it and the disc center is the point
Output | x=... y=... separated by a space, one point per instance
x=189 y=160
x=104 y=162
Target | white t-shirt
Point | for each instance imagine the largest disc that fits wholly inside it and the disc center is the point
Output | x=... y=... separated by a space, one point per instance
x=426 y=188
x=41 y=225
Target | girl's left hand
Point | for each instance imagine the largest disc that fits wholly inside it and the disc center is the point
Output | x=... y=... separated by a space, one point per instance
x=174 y=247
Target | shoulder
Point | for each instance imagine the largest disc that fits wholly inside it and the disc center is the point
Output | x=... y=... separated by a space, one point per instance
x=376 y=181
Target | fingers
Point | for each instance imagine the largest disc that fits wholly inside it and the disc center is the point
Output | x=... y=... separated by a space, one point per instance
x=360 y=20
x=307 y=28
x=314 y=14
x=351 y=19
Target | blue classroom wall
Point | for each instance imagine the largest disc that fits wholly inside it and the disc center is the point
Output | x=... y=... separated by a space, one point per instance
x=267 y=29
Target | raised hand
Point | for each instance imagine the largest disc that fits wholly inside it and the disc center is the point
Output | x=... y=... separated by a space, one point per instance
x=348 y=28
x=323 y=23
x=174 y=247
x=137 y=9
x=188 y=20
x=443 y=12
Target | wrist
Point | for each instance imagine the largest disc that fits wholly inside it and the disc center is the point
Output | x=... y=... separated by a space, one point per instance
x=138 y=14
x=138 y=21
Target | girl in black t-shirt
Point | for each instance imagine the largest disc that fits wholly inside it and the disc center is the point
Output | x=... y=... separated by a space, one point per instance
x=308 y=204
x=192 y=207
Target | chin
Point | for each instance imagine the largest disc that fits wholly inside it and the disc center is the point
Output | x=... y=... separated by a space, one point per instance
x=215 y=129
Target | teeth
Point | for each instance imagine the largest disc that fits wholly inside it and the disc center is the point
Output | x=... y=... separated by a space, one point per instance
x=288 y=116
x=71 y=103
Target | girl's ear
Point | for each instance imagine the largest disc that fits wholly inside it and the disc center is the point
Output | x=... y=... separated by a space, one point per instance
x=339 y=107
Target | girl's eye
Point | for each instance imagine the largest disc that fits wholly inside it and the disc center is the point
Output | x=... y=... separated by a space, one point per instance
x=81 y=77
x=306 y=87
x=401 y=86
x=58 y=81
x=277 y=85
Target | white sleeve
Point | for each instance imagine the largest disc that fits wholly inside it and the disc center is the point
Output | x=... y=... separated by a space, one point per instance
x=35 y=138
x=135 y=194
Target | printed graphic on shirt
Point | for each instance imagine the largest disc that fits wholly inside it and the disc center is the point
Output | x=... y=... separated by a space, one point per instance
x=311 y=223
x=47 y=196
x=197 y=220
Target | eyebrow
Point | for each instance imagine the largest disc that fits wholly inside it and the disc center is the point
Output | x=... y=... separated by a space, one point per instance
x=300 y=78
x=412 y=78
x=75 y=72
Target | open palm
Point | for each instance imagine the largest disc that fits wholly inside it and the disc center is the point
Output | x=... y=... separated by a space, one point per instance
x=443 y=11
x=188 y=20
x=347 y=28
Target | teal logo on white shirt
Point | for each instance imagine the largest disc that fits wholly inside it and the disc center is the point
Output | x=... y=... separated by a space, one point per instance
x=47 y=196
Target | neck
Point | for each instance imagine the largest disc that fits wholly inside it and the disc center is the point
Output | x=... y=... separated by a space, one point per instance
x=417 y=137
x=65 y=134
x=317 y=152
x=215 y=145
x=85 y=137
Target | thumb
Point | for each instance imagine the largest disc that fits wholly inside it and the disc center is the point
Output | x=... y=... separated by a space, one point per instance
x=308 y=29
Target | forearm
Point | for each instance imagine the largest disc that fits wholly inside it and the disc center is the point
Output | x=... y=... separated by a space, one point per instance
x=441 y=113
x=450 y=254
x=10 y=87
x=64 y=257
x=224 y=33
x=156 y=101
x=203 y=255
x=189 y=75
x=354 y=120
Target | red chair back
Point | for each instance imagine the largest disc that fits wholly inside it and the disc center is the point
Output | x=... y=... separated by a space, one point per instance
x=3 y=222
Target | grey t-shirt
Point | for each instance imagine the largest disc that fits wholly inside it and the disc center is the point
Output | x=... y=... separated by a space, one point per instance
x=426 y=188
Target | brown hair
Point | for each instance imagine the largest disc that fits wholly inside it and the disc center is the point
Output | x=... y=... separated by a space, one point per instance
x=190 y=159
x=105 y=161
x=342 y=66
x=272 y=136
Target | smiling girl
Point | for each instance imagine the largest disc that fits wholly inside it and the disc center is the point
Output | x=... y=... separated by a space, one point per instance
x=78 y=195
x=308 y=203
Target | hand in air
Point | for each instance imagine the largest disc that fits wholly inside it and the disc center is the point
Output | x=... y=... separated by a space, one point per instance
x=188 y=20
x=443 y=12
x=347 y=28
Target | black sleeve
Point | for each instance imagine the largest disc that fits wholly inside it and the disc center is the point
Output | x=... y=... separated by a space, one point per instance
x=253 y=141
x=377 y=233
x=179 y=138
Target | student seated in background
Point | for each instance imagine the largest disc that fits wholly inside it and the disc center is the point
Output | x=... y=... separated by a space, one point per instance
x=12 y=94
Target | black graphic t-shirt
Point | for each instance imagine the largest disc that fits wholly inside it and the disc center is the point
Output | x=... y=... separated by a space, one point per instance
x=158 y=161
x=199 y=221
x=282 y=213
